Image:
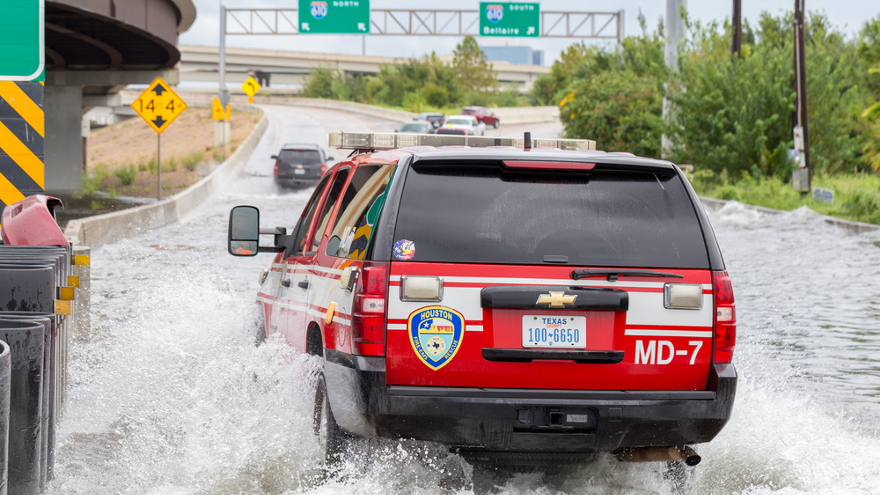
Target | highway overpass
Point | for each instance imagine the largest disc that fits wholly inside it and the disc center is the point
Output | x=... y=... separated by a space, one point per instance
x=200 y=64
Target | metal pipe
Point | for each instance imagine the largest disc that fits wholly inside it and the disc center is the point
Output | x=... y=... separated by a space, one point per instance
x=651 y=454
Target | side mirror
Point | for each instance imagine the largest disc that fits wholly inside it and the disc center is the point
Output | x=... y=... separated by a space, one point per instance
x=333 y=246
x=243 y=237
x=274 y=157
x=331 y=159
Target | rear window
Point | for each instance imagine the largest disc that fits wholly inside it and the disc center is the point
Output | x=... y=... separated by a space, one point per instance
x=468 y=111
x=303 y=157
x=484 y=213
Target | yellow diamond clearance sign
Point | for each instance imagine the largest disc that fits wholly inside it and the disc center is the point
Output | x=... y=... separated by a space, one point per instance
x=159 y=105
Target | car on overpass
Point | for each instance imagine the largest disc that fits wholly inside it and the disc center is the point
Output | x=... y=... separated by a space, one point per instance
x=483 y=115
x=521 y=302
x=299 y=165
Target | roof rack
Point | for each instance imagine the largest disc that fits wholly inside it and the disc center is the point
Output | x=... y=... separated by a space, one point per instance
x=390 y=141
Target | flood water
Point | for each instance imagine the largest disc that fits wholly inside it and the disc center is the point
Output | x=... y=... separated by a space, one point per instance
x=169 y=395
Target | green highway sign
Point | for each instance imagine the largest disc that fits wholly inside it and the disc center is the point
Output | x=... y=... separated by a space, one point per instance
x=334 y=16
x=22 y=43
x=510 y=19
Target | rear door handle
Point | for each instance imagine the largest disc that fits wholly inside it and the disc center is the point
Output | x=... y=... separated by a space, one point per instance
x=303 y=284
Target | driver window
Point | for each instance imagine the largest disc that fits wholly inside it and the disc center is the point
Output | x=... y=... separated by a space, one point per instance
x=302 y=226
x=332 y=198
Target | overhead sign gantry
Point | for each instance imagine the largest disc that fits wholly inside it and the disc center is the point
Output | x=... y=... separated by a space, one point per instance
x=517 y=19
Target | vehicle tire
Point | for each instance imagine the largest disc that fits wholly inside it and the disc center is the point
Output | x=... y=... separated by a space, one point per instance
x=496 y=124
x=331 y=439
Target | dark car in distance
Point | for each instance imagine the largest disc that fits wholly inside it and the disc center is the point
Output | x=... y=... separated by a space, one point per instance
x=299 y=165
x=436 y=119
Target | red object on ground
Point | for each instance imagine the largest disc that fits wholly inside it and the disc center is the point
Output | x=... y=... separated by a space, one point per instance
x=31 y=222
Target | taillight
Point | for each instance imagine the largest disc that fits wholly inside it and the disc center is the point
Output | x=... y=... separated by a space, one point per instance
x=725 y=318
x=276 y=168
x=368 y=313
x=323 y=168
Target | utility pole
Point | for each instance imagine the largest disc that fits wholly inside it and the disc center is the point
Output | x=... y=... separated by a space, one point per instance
x=674 y=35
x=801 y=180
x=222 y=127
x=736 y=20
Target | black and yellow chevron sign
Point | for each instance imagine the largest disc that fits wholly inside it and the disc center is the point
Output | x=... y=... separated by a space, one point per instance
x=22 y=129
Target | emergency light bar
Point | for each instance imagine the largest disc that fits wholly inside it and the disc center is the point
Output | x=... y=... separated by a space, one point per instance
x=390 y=141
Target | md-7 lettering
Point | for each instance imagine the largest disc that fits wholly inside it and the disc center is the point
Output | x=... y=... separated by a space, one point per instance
x=663 y=351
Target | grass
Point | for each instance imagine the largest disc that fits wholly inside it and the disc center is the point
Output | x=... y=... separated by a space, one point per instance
x=191 y=161
x=126 y=175
x=856 y=196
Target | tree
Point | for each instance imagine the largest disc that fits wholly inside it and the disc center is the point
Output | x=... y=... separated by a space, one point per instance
x=475 y=74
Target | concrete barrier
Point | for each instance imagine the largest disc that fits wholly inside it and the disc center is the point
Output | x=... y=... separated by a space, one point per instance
x=111 y=227
x=508 y=115
x=526 y=115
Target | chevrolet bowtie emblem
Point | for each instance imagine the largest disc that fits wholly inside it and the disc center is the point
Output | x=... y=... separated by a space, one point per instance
x=556 y=299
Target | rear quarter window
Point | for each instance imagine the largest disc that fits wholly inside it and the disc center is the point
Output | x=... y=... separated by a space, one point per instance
x=485 y=213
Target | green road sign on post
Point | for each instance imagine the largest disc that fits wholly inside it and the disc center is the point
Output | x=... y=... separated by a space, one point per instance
x=510 y=19
x=334 y=16
x=22 y=42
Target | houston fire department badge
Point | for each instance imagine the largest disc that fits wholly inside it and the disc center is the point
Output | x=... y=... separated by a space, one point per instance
x=435 y=333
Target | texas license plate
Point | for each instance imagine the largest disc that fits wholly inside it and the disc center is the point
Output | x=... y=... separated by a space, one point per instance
x=554 y=331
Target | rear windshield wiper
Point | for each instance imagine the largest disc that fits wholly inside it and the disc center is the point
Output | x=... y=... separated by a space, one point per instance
x=614 y=274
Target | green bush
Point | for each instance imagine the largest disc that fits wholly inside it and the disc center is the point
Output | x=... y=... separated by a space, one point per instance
x=509 y=97
x=414 y=102
x=435 y=95
x=126 y=175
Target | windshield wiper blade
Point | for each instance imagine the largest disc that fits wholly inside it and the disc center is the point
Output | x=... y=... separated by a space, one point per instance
x=613 y=275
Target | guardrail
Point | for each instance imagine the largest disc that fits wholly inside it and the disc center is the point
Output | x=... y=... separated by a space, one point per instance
x=39 y=287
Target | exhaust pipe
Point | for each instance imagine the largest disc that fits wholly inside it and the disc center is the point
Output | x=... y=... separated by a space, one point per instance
x=650 y=454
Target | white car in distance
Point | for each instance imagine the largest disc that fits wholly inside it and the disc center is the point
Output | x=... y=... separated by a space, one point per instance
x=468 y=123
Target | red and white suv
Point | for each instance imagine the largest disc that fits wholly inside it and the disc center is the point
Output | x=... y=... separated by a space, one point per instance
x=518 y=304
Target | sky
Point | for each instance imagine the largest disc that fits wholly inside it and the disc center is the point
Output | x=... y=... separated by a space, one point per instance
x=847 y=15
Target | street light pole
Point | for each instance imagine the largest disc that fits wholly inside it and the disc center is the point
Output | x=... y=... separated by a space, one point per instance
x=221 y=127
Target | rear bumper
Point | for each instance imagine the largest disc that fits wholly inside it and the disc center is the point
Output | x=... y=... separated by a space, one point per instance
x=524 y=420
